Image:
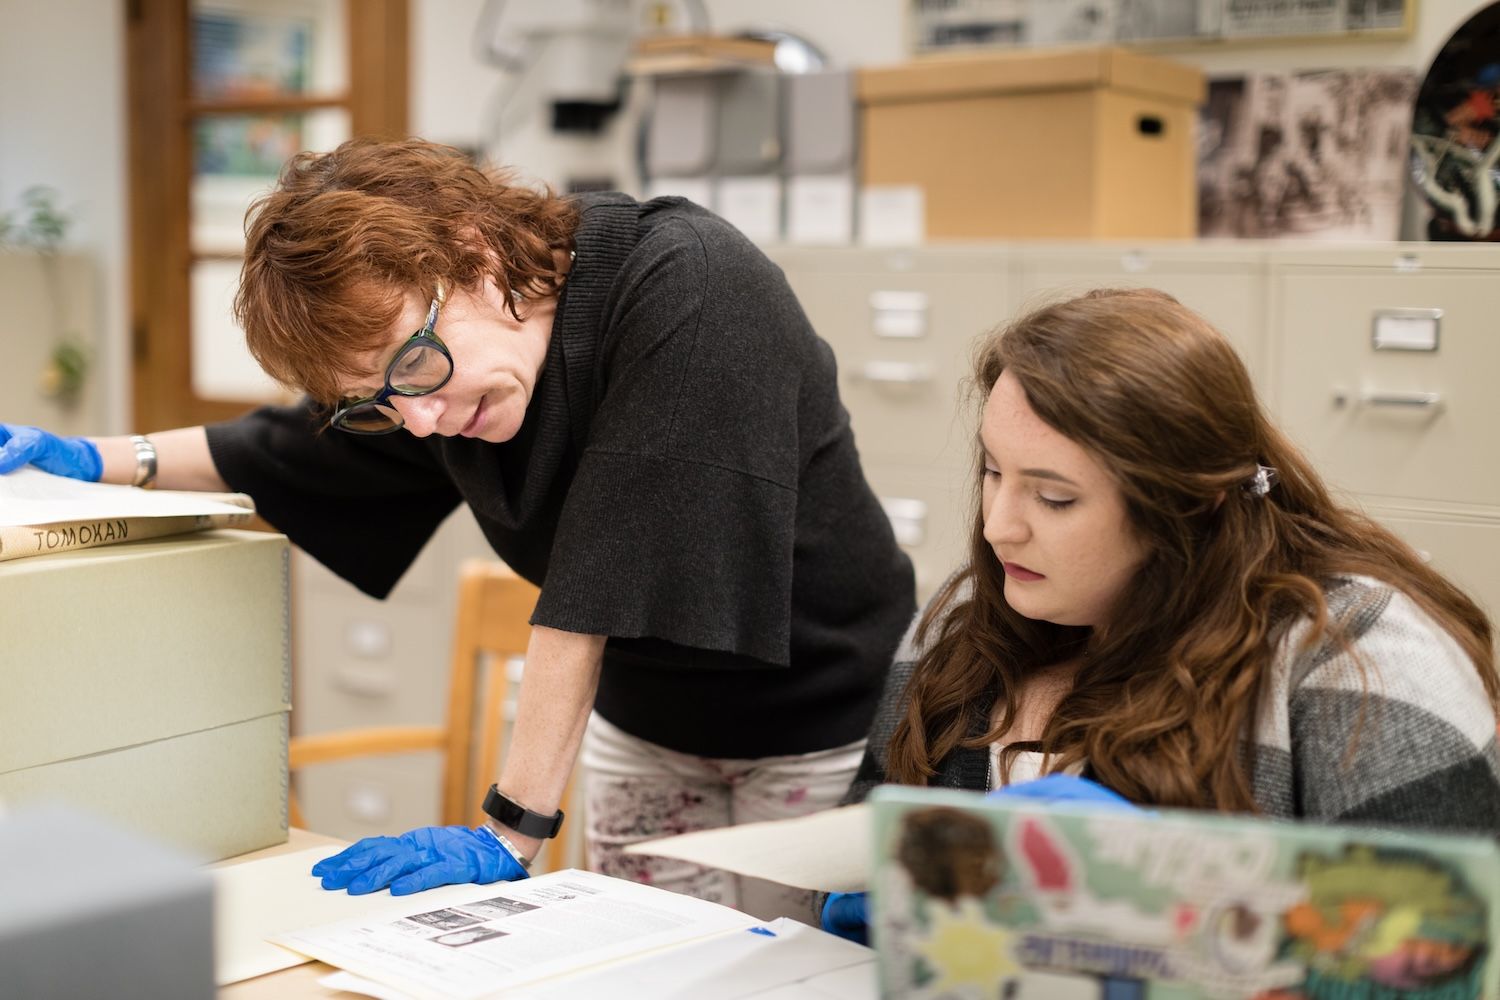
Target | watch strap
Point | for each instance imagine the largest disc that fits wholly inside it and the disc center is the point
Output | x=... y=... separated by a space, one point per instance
x=510 y=813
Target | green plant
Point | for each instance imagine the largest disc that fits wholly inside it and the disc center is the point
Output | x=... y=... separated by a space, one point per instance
x=41 y=225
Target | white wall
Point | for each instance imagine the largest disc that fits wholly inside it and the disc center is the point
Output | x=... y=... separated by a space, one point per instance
x=62 y=105
x=62 y=123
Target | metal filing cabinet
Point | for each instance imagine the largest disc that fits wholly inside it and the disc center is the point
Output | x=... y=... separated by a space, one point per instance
x=902 y=325
x=1385 y=365
x=1224 y=282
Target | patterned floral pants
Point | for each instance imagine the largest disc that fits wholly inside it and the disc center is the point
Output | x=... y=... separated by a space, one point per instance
x=635 y=791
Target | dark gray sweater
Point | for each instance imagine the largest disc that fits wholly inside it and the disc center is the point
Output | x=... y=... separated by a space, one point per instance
x=685 y=482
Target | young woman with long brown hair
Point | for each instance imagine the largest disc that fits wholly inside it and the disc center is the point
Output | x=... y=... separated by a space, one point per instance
x=1163 y=596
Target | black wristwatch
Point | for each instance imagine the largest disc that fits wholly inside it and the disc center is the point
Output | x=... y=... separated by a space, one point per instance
x=519 y=818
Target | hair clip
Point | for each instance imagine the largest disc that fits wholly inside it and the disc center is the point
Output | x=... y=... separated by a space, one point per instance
x=1260 y=484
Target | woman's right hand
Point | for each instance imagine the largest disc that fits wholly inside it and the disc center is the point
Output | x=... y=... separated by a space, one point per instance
x=74 y=457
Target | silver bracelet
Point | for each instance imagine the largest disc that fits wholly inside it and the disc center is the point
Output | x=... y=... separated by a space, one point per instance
x=145 y=460
x=515 y=851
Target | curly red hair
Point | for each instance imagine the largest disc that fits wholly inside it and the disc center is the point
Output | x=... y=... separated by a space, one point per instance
x=334 y=252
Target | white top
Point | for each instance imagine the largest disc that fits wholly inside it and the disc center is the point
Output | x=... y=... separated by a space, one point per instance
x=1026 y=766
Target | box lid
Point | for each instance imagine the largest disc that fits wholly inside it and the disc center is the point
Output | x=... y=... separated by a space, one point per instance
x=1030 y=71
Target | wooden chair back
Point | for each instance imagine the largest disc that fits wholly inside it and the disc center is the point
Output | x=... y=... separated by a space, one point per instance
x=491 y=626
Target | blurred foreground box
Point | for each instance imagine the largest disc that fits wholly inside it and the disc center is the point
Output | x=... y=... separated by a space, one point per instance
x=149 y=682
x=90 y=910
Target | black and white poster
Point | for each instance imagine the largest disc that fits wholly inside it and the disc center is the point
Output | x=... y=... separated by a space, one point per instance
x=1318 y=155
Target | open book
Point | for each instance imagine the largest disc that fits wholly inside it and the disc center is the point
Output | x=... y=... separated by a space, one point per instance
x=41 y=513
x=573 y=934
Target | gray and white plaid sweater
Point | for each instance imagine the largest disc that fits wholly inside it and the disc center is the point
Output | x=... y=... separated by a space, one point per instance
x=1426 y=754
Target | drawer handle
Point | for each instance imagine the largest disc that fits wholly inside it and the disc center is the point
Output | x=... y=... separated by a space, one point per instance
x=894 y=372
x=368 y=804
x=365 y=681
x=1424 y=400
x=908 y=519
x=899 y=314
x=1394 y=400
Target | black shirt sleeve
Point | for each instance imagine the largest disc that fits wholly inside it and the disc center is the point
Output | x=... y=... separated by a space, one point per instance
x=361 y=505
x=680 y=524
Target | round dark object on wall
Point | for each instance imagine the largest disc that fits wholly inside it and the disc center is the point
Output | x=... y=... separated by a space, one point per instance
x=1455 y=141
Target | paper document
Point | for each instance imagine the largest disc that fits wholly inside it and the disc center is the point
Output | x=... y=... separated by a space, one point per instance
x=254 y=900
x=782 y=955
x=828 y=851
x=30 y=496
x=500 y=937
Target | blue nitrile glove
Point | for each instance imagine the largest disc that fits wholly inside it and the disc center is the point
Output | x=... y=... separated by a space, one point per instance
x=421 y=859
x=847 y=914
x=1064 y=788
x=76 y=458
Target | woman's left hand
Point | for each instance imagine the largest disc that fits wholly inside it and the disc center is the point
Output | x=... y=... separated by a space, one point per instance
x=424 y=858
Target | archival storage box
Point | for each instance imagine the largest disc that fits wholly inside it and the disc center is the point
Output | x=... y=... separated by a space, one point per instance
x=1092 y=143
x=150 y=682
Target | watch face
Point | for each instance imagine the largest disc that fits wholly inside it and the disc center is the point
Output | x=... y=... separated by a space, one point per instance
x=1455 y=139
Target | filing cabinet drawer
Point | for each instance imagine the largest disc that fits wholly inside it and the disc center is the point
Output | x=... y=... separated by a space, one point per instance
x=1466 y=550
x=903 y=336
x=360 y=661
x=1416 y=424
x=929 y=510
x=371 y=797
x=1226 y=287
x=363 y=662
x=902 y=390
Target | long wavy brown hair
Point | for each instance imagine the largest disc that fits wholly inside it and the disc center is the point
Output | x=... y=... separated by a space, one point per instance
x=333 y=252
x=1168 y=691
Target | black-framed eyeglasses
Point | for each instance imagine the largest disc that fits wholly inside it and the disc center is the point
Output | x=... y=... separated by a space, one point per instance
x=422 y=365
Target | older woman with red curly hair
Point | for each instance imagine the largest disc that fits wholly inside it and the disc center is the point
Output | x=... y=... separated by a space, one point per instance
x=633 y=405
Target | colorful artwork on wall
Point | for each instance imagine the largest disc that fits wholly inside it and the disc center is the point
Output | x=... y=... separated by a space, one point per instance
x=1455 y=142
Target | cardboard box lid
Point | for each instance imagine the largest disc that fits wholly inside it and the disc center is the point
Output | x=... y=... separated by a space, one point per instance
x=1032 y=71
x=125 y=644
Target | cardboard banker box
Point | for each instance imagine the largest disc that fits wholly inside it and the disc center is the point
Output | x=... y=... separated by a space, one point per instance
x=149 y=682
x=1082 y=143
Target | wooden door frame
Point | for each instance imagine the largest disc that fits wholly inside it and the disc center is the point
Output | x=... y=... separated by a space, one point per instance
x=160 y=173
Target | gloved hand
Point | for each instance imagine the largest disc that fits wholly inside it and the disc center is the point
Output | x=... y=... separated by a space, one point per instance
x=421 y=859
x=1065 y=788
x=847 y=915
x=76 y=458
